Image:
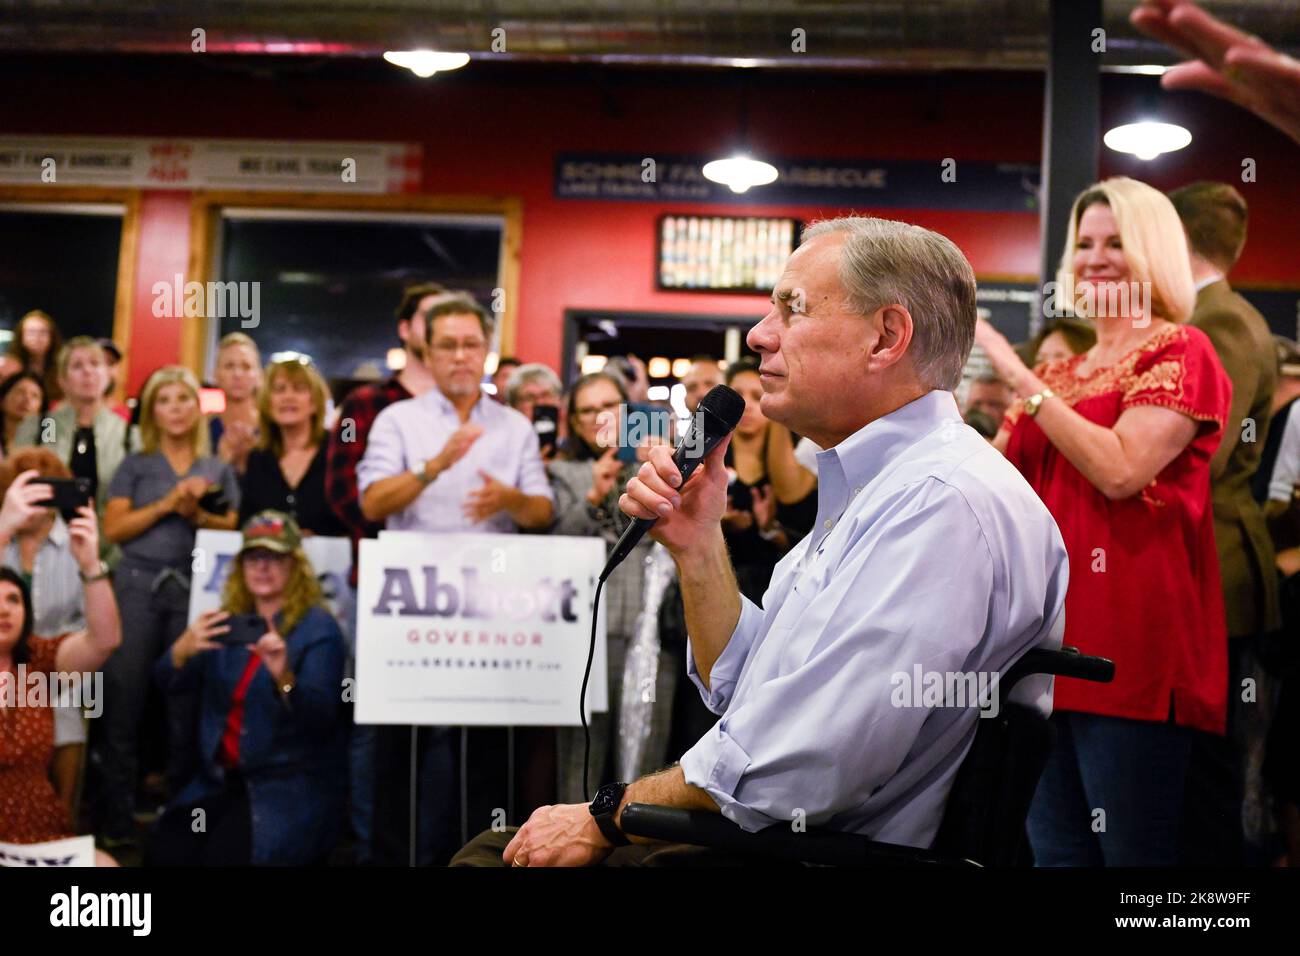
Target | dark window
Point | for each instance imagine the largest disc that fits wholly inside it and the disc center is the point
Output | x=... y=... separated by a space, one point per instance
x=329 y=286
x=62 y=262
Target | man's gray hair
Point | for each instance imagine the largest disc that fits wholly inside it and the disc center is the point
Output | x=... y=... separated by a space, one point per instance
x=456 y=303
x=532 y=372
x=884 y=262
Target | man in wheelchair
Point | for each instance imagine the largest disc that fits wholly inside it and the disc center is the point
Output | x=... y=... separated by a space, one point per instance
x=932 y=563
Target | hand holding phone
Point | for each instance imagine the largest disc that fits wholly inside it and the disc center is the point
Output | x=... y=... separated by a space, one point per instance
x=205 y=634
x=546 y=422
x=214 y=501
x=67 y=495
x=244 y=629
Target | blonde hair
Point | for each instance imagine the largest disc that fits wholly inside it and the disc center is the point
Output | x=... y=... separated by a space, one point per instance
x=296 y=371
x=150 y=433
x=232 y=339
x=1153 y=240
x=301 y=594
x=73 y=344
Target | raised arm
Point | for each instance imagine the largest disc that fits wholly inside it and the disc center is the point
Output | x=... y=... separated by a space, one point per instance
x=791 y=481
x=87 y=650
x=1119 y=461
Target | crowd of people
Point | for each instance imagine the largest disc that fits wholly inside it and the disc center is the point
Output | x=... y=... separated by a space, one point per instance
x=189 y=720
x=1151 y=417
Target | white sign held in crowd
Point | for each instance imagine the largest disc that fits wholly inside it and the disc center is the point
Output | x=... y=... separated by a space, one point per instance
x=215 y=550
x=477 y=629
x=74 y=851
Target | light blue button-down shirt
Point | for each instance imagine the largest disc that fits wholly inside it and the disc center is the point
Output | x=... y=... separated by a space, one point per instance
x=930 y=555
x=416 y=429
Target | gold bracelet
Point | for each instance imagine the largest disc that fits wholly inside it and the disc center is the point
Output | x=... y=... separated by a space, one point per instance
x=1034 y=402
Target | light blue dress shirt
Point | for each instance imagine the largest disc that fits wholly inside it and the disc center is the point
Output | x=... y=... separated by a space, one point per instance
x=416 y=429
x=931 y=554
x=1286 y=466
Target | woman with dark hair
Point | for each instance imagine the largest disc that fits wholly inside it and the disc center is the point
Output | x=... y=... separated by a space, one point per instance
x=30 y=809
x=1058 y=340
x=21 y=396
x=272 y=778
x=40 y=549
x=33 y=348
x=587 y=481
x=604 y=394
x=771 y=500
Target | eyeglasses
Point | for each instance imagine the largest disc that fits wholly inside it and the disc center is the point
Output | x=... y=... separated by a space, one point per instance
x=589 y=413
x=448 y=347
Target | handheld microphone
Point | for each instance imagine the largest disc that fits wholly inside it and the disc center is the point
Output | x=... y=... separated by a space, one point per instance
x=718 y=415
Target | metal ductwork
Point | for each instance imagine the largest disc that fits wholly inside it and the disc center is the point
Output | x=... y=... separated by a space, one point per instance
x=866 y=34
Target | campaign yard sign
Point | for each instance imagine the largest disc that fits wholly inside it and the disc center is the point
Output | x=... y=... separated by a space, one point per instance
x=477 y=629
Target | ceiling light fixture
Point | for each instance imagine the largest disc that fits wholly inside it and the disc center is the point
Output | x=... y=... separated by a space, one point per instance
x=740 y=172
x=425 y=63
x=1147 y=139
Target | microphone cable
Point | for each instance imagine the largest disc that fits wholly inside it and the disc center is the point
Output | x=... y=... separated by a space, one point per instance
x=582 y=697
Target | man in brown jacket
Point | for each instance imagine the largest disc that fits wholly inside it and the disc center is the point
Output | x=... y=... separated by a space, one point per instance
x=1223 y=788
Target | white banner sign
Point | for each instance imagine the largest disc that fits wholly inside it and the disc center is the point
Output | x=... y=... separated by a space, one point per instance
x=74 y=851
x=302 y=166
x=330 y=557
x=477 y=629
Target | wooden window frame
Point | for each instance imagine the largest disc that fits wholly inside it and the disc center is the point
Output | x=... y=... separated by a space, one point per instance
x=205 y=220
x=128 y=255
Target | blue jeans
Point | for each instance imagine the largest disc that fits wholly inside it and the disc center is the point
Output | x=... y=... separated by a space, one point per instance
x=361 y=742
x=1111 y=793
x=361 y=788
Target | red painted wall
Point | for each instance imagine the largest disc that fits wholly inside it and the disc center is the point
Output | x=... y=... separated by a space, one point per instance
x=495 y=128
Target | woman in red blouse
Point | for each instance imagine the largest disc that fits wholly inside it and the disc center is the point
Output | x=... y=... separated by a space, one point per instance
x=30 y=809
x=1117 y=441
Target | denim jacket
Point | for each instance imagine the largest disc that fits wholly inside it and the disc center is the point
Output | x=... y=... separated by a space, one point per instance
x=292 y=752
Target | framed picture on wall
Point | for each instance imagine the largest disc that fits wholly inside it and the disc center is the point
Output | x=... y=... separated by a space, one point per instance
x=722 y=253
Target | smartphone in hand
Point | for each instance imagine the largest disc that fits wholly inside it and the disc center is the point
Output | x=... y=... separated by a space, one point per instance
x=66 y=494
x=244 y=629
x=546 y=422
x=214 y=501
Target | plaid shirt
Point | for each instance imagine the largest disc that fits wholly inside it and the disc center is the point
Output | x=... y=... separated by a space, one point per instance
x=357 y=413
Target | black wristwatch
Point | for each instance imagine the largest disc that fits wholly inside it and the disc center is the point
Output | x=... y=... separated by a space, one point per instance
x=603 y=809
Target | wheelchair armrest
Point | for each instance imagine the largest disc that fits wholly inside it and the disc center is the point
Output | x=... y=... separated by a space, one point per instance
x=1067 y=662
x=816 y=845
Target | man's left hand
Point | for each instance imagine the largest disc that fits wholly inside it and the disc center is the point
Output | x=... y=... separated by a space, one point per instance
x=564 y=835
x=483 y=502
